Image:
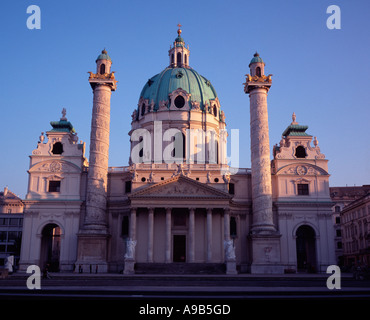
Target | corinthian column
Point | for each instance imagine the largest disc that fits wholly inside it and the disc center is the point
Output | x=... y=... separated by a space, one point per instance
x=209 y=235
x=191 y=234
x=150 y=234
x=168 y=235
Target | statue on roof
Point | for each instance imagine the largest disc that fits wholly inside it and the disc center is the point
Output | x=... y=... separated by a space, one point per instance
x=64 y=112
x=294 y=117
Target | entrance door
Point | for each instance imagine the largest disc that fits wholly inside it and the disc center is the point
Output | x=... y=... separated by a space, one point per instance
x=50 y=247
x=306 y=249
x=179 y=248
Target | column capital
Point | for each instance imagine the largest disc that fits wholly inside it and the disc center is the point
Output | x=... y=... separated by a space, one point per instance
x=151 y=210
x=209 y=210
x=192 y=209
x=168 y=209
x=133 y=209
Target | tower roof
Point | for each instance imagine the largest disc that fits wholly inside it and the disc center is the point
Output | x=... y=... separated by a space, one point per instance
x=256 y=58
x=62 y=125
x=294 y=129
x=103 y=56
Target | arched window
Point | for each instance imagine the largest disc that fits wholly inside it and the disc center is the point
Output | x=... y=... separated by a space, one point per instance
x=178 y=151
x=300 y=152
x=102 y=68
x=141 y=152
x=172 y=58
x=258 y=71
x=186 y=59
x=215 y=111
x=216 y=151
x=143 y=109
x=57 y=148
x=179 y=59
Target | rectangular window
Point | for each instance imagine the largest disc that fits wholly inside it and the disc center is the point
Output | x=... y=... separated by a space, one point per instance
x=3 y=236
x=302 y=189
x=125 y=226
x=4 y=221
x=127 y=186
x=12 y=236
x=233 y=230
x=54 y=186
x=179 y=220
x=13 y=221
x=231 y=188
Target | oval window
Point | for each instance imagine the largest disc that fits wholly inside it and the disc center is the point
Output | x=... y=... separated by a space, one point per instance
x=179 y=102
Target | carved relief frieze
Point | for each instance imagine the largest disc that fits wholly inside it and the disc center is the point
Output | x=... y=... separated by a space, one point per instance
x=302 y=170
x=55 y=167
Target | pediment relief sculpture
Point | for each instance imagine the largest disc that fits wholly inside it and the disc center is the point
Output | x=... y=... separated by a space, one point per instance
x=180 y=186
x=302 y=170
x=55 y=166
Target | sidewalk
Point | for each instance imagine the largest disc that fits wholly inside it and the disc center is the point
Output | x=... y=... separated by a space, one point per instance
x=58 y=275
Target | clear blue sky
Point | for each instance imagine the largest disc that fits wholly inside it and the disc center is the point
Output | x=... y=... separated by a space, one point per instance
x=322 y=75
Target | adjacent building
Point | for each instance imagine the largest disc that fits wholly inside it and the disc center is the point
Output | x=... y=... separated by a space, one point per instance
x=11 y=221
x=351 y=216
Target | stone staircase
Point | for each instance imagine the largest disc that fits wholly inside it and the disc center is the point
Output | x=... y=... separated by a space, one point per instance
x=180 y=268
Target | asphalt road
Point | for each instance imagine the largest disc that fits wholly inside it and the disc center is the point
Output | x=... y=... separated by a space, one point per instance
x=190 y=297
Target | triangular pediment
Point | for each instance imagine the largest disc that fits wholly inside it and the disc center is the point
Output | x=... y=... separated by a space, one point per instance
x=180 y=187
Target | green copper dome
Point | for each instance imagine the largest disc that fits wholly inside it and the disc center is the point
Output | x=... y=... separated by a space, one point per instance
x=161 y=85
x=256 y=58
x=103 y=56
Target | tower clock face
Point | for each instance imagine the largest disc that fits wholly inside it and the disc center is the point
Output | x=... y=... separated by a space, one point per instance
x=301 y=170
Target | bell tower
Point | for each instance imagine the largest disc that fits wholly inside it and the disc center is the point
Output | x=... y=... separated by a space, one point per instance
x=93 y=236
x=265 y=239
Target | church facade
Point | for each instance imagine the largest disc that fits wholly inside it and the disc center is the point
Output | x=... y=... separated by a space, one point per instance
x=178 y=206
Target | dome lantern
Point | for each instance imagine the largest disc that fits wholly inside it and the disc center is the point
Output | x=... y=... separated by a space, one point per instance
x=179 y=54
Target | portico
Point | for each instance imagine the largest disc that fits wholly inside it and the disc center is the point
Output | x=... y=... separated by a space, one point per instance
x=167 y=229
